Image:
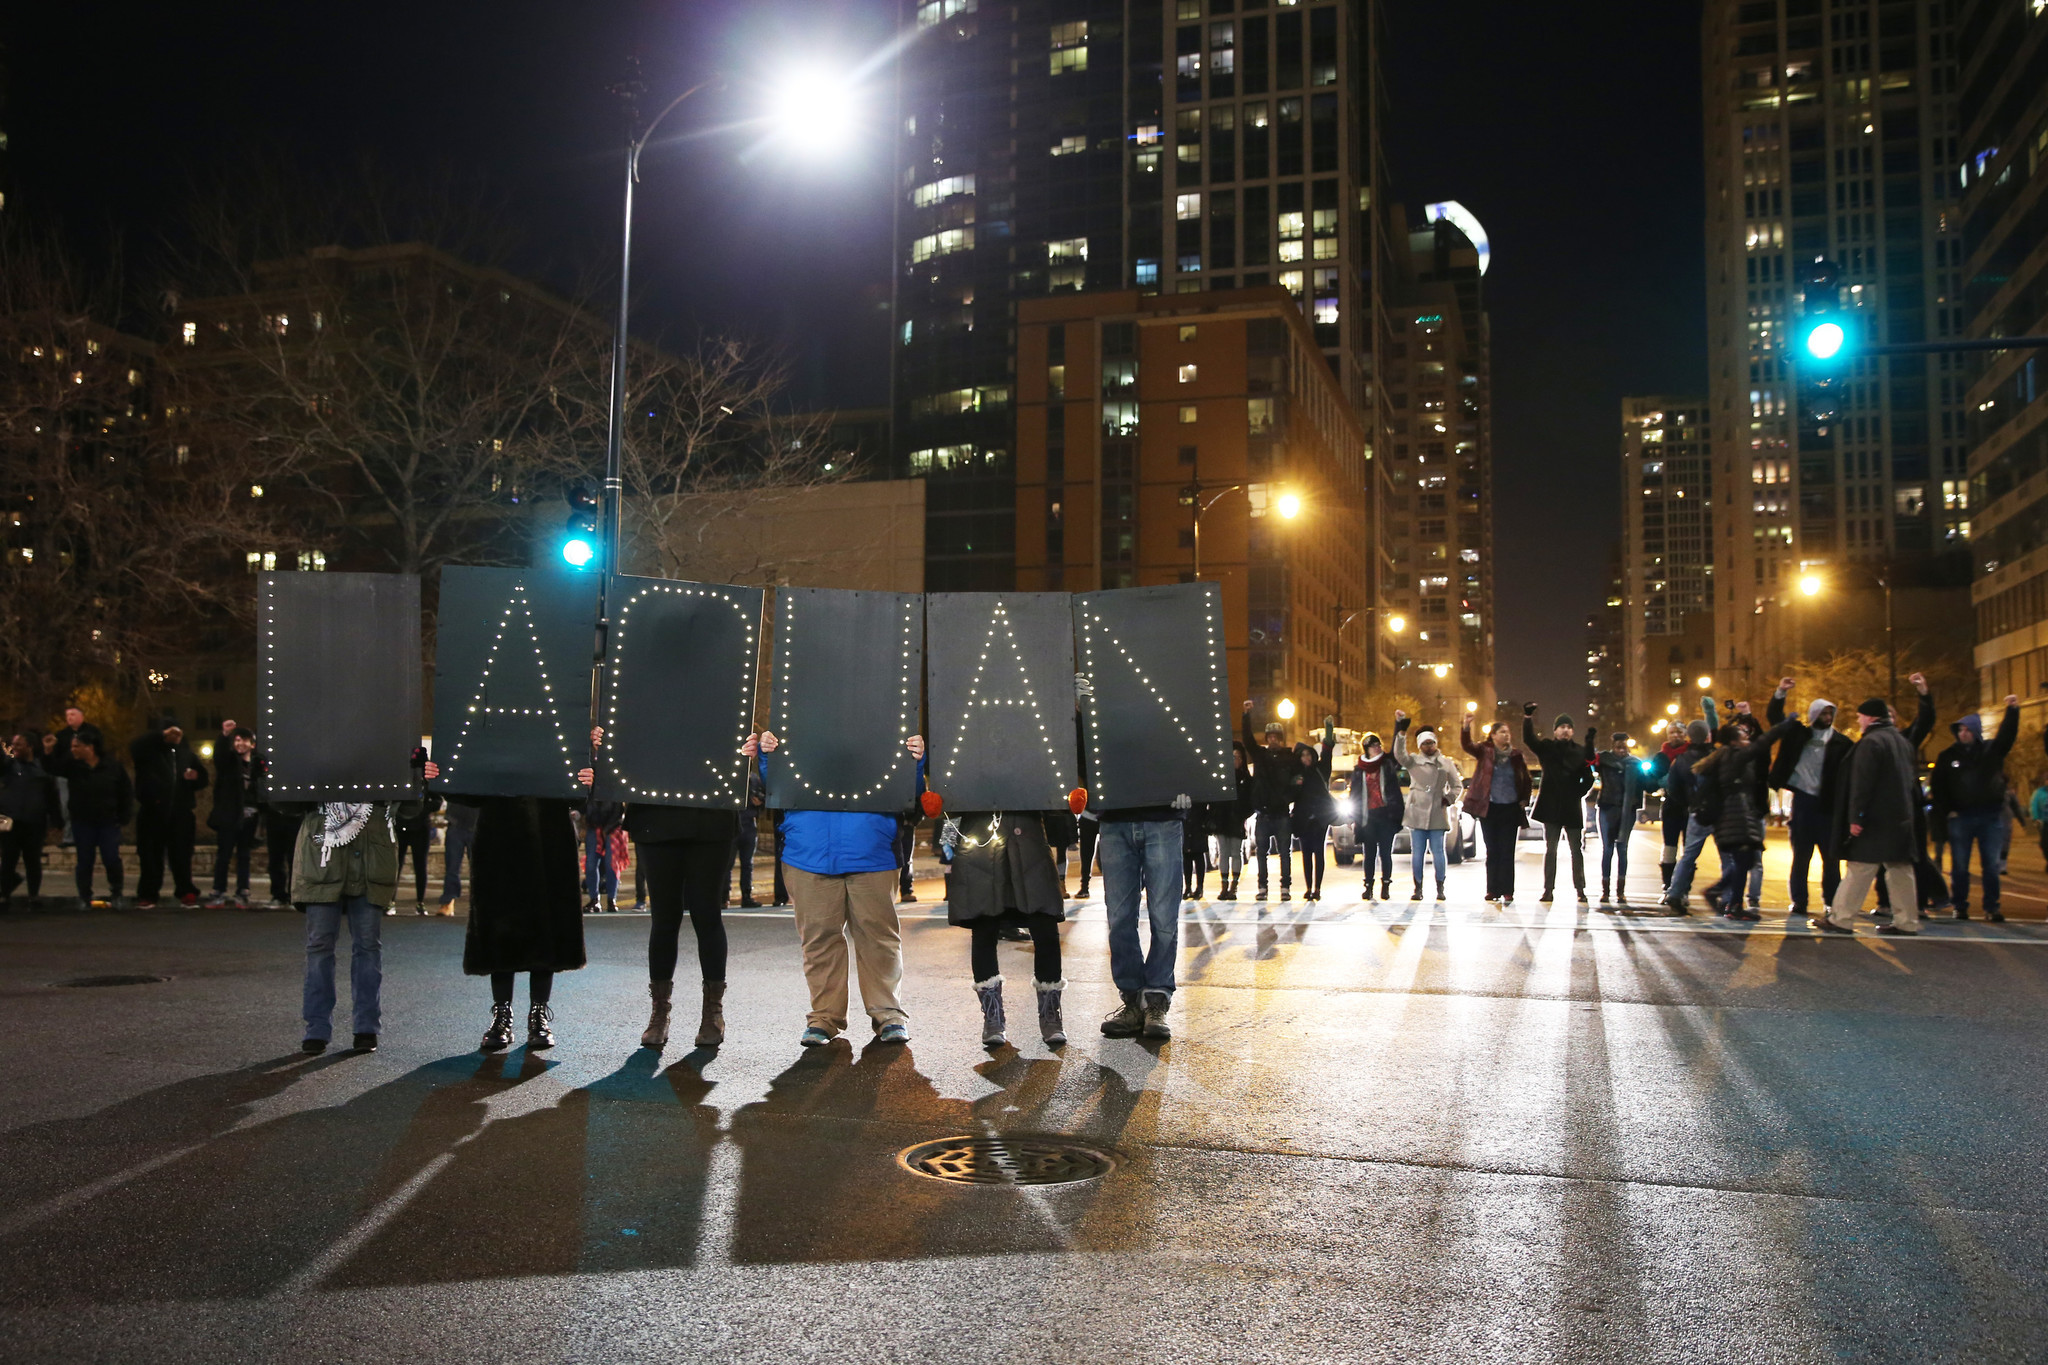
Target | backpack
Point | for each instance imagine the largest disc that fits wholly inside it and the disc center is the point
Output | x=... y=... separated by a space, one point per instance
x=1707 y=798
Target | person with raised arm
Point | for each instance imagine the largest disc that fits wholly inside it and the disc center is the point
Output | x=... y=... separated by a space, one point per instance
x=1969 y=785
x=1498 y=798
x=1432 y=790
x=1726 y=791
x=1314 y=809
x=1376 y=783
x=1874 y=822
x=1567 y=777
x=1809 y=764
x=1276 y=778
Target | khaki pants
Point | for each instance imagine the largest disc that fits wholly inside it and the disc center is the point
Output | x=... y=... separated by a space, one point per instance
x=827 y=910
x=1856 y=881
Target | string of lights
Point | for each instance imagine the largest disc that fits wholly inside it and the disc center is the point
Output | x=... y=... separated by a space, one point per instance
x=725 y=785
x=480 y=706
x=907 y=692
x=1212 y=763
x=999 y=618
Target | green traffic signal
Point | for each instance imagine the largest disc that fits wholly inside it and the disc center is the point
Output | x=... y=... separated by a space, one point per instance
x=1824 y=340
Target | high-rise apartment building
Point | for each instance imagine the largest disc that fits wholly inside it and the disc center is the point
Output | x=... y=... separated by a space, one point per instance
x=2003 y=107
x=1667 y=544
x=1606 y=686
x=1165 y=437
x=1439 y=453
x=1064 y=146
x=1830 y=131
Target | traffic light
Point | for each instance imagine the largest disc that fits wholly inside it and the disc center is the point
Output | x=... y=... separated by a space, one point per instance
x=579 y=537
x=1819 y=351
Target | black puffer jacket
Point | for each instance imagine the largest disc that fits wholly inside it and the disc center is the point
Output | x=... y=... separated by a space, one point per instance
x=1314 y=808
x=1732 y=771
x=1276 y=775
x=1970 y=778
x=99 y=795
x=161 y=786
x=1567 y=776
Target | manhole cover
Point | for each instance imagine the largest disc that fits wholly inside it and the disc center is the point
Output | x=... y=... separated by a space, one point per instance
x=134 y=980
x=1005 y=1161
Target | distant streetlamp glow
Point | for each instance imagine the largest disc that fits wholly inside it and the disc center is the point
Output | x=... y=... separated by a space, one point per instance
x=1397 y=624
x=1285 y=710
x=1471 y=706
x=1671 y=708
x=812 y=109
x=1706 y=683
x=1441 y=670
x=1810 y=585
x=1289 y=506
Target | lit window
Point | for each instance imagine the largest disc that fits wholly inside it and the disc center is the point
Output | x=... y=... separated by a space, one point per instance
x=183 y=454
x=1067 y=146
x=1290 y=251
x=1326 y=310
x=312 y=561
x=1067 y=279
x=1290 y=226
x=933 y=11
x=1067 y=249
x=1326 y=248
x=1259 y=416
x=1290 y=280
x=1070 y=35
x=924 y=196
x=1069 y=59
x=1146 y=273
x=1187 y=206
x=941 y=457
x=1070 y=47
x=1187 y=331
x=1187 y=374
x=942 y=243
x=1190 y=66
x=190 y=331
x=1188 y=9
x=1190 y=264
x=1187 y=413
x=1147 y=134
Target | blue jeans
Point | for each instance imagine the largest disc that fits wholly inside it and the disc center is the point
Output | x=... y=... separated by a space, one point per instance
x=597 y=863
x=104 y=838
x=1688 y=858
x=1616 y=825
x=1736 y=868
x=1420 y=840
x=1134 y=854
x=1985 y=829
x=366 y=964
x=1277 y=833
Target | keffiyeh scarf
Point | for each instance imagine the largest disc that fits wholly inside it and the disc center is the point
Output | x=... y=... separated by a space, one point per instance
x=344 y=821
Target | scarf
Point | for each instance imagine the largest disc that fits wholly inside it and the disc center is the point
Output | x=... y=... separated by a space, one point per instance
x=344 y=821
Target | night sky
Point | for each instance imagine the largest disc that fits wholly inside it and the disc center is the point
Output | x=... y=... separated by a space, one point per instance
x=1574 y=135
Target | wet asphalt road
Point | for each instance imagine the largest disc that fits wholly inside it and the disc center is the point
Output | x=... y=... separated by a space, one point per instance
x=1392 y=1133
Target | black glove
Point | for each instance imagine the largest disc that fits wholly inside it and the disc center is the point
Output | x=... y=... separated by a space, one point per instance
x=1528 y=708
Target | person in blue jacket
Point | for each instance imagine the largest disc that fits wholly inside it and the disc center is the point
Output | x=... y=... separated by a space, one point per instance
x=841 y=869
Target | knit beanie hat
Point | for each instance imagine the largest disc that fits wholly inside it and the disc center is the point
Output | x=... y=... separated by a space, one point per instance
x=1621 y=736
x=1561 y=720
x=1875 y=708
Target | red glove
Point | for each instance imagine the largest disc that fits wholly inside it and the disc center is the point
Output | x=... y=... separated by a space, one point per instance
x=931 y=803
x=1077 y=800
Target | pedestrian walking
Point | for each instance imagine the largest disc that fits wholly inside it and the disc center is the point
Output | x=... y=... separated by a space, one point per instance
x=1622 y=785
x=840 y=865
x=345 y=870
x=1679 y=803
x=237 y=802
x=102 y=800
x=1376 y=785
x=1314 y=809
x=1002 y=875
x=456 y=838
x=1560 y=806
x=1874 y=822
x=27 y=799
x=1726 y=796
x=1433 y=788
x=168 y=778
x=1969 y=785
x=1230 y=820
x=2037 y=811
x=1276 y=776
x=687 y=853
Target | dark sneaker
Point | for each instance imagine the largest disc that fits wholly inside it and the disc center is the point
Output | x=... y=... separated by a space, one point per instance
x=313 y=1046
x=1749 y=916
x=1962 y=912
x=366 y=1042
x=1127 y=1022
x=1898 y=931
x=1828 y=926
x=1155 y=1007
x=1545 y=898
x=1995 y=916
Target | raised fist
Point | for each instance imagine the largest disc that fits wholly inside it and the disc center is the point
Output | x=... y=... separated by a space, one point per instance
x=1528 y=708
x=1742 y=708
x=1784 y=686
x=1329 y=722
x=2011 y=701
x=1247 y=706
x=1400 y=715
x=1919 y=681
x=1084 y=686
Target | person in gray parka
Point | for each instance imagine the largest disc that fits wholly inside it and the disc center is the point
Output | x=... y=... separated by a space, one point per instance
x=1434 y=785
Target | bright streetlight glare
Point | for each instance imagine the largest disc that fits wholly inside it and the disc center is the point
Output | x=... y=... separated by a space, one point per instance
x=1397 y=624
x=1290 y=506
x=1824 y=341
x=1671 y=708
x=578 y=551
x=1810 y=585
x=1441 y=670
x=812 y=109
x=1285 y=710
x=1471 y=706
x=1706 y=683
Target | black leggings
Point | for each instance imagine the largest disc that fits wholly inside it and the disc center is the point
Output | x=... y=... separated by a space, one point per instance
x=1045 y=946
x=686 y=877
x=416 y=840
x=1194 y=863
x=539 y=986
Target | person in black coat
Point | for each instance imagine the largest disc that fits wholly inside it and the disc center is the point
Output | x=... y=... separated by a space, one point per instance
x=1276 y=776
x=237 y=798
x=102 y=799
x=168 y=778
x=1314 y=809
x=1002 y=875
x=1725 y=786
x=1379 y=809
x=27 y=797
x=1969 y=788
x=1873 y=820
x=1567 y=777
x=525 y=910
x=1809 y=764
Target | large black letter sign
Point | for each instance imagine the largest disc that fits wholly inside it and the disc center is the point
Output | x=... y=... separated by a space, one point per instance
x=847 y=671
x=512 y=681
x=1158 y=722
x=338 y=660
x=680 y=701
x=1001 y=679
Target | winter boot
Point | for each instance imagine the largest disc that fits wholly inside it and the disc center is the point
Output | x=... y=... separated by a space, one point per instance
x=1128 y=1020
x=1664 y=874
x=1387 y=887
x=1418 y=890
x=992 y=1022
x=1051 y=1027
x=711 y=1025
x=1155 y=1007
x=1440 y=891
x=658 y=993
x=498 y=1036
x=1605 y=898
x=539 y=1037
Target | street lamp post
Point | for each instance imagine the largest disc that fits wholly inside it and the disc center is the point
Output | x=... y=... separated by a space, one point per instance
x=1287 y=504
x=1337 y=614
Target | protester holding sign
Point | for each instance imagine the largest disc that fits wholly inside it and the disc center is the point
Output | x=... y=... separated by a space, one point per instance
x=841 y=866
x=685 y=851
x=1003 y=876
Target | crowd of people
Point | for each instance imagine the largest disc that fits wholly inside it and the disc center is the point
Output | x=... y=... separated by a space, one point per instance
x=1858 y=807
